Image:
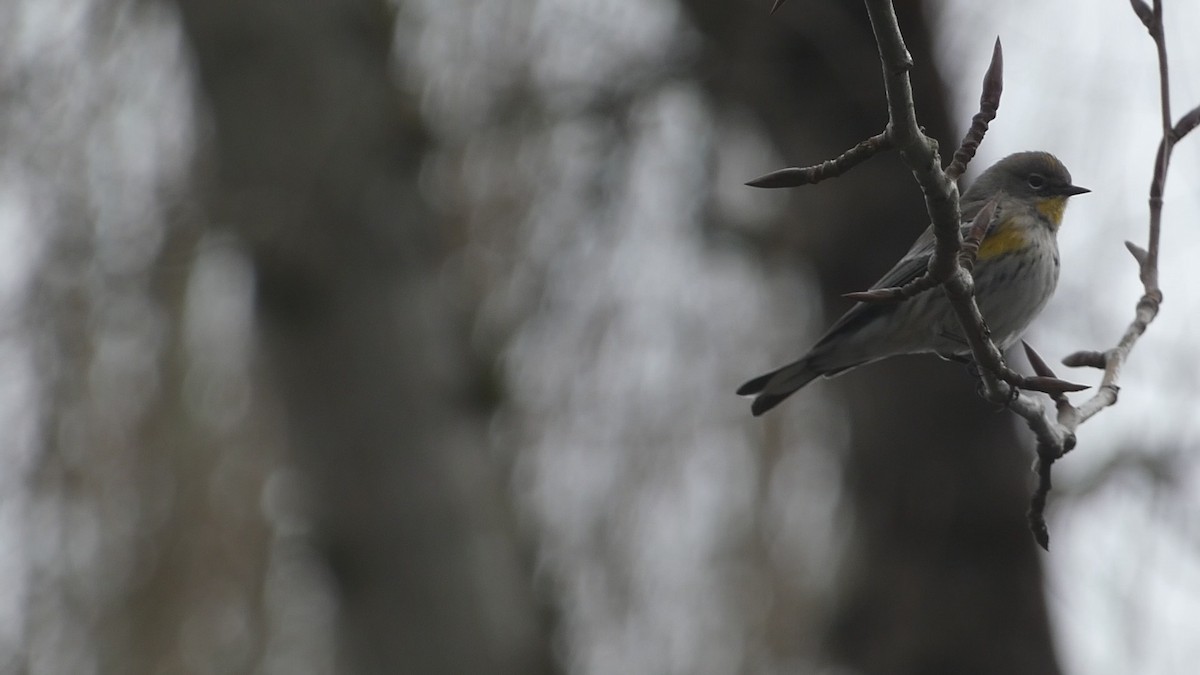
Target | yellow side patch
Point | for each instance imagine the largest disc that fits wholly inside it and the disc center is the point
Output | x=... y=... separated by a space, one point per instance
x=1052 y=208
x=1003 y=239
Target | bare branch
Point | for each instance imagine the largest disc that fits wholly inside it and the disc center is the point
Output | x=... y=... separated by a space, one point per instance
x=1089 y=359
x=989 y=103
x=1186 y=123
x=1140 y=8
x=1036 y=361
x=1139 y=254
x=1147 y=258
x=980 y=226
x=1037 y=503
x=1164 y=80
x=920 y=153
x=941 y=201
x=1048 y=385
x=895 y=293
x=796 y=176
x=953 y=256
x=983 y=224
x=1112 y=360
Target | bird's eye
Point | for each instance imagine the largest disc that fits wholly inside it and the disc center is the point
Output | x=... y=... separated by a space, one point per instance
x=1037 y=181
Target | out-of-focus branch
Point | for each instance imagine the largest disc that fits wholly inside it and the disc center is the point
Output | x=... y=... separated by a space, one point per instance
x=316 y=153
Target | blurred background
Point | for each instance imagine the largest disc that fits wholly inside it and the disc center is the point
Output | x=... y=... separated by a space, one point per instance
x=400 y=337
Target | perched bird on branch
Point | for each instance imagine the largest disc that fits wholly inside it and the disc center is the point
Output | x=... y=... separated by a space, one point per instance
x=1016 y=271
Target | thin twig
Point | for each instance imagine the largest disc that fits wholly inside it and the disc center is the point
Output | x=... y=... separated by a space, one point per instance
x=1112 y=360
x=941 y=196
x=1036 y=361
x=1089 y=359
x=989 y=103
x=917 y=286
x=1047 y=454
x=1147 y=258
x=1186 y=123
x=920 y=153
x=981 y=226
x=1140 y=8
x=796 y=176
x=1043 y=371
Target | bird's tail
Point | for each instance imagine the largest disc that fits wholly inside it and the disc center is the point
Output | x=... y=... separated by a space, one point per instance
x=769 y=390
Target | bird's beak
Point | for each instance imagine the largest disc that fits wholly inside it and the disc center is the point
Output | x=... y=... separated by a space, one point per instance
x=1071 y=190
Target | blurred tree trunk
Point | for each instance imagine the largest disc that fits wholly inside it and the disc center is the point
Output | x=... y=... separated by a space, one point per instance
x=318 y=159
x=943 y=575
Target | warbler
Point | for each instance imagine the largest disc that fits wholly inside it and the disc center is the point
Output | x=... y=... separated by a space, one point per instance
x=1015 y=272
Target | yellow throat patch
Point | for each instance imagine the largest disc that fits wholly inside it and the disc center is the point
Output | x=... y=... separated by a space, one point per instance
x=1052 y=208
x=1003 y=239
x=1006 y=239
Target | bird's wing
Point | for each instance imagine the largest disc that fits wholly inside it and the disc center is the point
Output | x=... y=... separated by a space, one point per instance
x=912 y=265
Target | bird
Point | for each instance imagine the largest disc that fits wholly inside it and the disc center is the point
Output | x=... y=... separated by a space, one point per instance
x=1016 y=271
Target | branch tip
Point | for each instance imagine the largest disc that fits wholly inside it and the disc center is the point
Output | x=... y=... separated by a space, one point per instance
x=1052 y=385
x=1186 y=123
x=1041 y=534
x=1139 y=254
x=890 y=294
x=983 y=222
x=1086 y=359
x=1036 y=361
x=989 y=103
x=1047 y=454
x=796 y=176
x=993 y=79
x=789 y=177
x=1140 y=8
x=981 y=225
x=861 y=296
x=775 y=7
